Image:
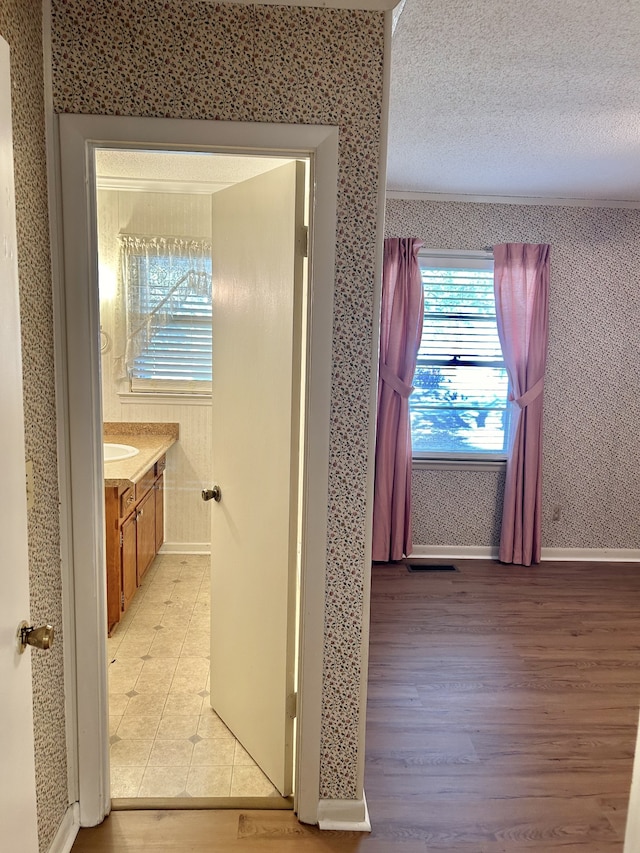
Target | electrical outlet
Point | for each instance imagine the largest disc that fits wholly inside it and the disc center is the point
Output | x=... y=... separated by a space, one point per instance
x=557 y=512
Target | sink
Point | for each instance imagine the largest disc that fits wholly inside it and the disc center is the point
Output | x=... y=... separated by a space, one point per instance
x=117 y=452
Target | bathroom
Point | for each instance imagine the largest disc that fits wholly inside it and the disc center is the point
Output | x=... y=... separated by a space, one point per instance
x=166 y=742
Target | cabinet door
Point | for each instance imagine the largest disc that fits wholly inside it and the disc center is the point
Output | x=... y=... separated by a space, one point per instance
x=159 y=490
x=113 y=557
x=146 y=532
x=128 y=560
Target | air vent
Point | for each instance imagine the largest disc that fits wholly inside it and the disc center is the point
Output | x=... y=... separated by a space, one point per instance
x=419 y=566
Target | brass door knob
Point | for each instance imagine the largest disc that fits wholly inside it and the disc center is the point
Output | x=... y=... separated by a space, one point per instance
x=212 y=494
x=39 y=638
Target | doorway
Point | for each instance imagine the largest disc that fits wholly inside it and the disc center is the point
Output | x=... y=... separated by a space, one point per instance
x=154 y=234
x=82 y=324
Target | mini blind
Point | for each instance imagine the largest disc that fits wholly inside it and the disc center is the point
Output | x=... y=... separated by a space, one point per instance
x=459 y=402
x=168 y=284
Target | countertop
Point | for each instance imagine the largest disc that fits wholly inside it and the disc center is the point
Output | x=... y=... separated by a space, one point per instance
x=152 y=440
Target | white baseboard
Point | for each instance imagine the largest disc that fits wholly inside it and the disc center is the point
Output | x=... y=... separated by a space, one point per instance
x=67 y=831
x=489 y=552
x=596 y=555
x=455 y=552
x=346 y=815
x=185 y=548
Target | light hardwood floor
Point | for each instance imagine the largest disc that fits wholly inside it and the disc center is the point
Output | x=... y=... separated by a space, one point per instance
x=503 y=706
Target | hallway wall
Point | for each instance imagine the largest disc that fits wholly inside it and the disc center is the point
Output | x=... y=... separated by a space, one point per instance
x=21 y=27
x=199 y=60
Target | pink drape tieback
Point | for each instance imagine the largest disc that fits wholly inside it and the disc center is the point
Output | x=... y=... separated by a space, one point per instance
x=387 y=375
x=530 y=395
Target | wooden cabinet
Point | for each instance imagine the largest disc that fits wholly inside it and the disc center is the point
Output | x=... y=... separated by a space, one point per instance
x=146 y=532
x=128 y=560
x=159 y=490
x=134 y=515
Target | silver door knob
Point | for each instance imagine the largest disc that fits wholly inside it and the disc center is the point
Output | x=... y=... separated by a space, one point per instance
x=39 y=638
x=212 y=494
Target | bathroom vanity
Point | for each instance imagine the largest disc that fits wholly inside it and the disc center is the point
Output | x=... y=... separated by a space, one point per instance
x=134 y=508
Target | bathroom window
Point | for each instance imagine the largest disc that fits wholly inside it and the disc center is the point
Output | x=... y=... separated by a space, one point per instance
x=168 y=307
x=459 y=407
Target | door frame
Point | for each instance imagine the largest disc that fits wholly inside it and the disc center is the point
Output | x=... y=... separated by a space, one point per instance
x=82 y=478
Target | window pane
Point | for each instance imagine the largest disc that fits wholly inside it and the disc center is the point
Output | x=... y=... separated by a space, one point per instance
x=460 y=400
x=179 y=344
x=459 y=409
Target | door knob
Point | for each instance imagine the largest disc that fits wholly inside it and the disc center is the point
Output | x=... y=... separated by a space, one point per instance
x=39 y=638
x=215 y=493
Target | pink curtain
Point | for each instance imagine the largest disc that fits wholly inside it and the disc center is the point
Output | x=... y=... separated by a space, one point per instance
x=400 y=332
x=522 y=310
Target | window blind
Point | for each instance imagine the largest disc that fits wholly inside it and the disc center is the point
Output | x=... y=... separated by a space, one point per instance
x=459 y=402
x=179 y=349
x=169 y=314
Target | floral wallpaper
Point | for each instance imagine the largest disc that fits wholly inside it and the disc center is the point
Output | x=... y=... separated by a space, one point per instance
x=21 y=27
x=591 y=441
x=194 y=59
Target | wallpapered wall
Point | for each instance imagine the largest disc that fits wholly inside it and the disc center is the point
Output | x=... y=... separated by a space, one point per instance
x=21 y=27
x=187 y=518
x=591 y=402
x=194 y=59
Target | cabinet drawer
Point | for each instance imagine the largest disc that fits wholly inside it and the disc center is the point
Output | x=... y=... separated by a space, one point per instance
x=145 y=483
x=127 y=500
x=161 y=464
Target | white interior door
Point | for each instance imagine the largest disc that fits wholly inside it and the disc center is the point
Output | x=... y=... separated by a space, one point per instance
x=18 y=826
x=257 y=296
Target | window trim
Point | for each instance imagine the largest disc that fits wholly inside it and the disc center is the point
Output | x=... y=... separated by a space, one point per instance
x=460 y=462
x=163 y=398
x=451 y=460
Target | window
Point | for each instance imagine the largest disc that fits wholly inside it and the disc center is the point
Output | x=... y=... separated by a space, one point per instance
x=168 y=285
x=459 y=406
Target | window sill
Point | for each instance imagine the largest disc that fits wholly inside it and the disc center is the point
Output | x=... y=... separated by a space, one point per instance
x=452 y=463
x=162 y=398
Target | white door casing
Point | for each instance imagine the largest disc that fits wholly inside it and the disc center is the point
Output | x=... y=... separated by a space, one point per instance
x=18 y=819
x=79 y=135
x=257 y=252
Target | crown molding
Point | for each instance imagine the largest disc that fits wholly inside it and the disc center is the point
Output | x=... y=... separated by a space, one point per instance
x=367 y=5
x=509 y=199
x=149 y=185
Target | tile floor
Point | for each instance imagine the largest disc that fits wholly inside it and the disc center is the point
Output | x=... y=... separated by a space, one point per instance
x=166 y=741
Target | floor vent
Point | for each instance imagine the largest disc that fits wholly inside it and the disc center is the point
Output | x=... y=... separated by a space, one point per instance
x=430 y=567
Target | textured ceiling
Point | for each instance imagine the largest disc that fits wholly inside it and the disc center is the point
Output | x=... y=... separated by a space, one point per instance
x=517 y=98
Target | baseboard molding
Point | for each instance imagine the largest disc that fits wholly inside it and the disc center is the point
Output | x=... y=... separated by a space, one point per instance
x=185 y=548
x=345 y=815
x=488 y=552
x=455 y=552
x=595 y=555
x=67 y=831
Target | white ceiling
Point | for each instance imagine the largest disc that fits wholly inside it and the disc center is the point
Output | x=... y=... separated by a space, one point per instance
x=181 y=171
x=530 y=98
